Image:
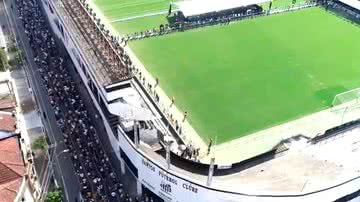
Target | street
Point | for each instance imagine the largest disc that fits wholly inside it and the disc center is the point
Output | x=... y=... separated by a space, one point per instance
x=64 y=172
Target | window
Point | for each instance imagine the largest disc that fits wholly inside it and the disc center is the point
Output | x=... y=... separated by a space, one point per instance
x=83 y=69
x=51 y=9
x=60 y=27
x=61 y=30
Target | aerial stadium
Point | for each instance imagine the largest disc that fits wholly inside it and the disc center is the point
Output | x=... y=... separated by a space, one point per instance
x=237 y=100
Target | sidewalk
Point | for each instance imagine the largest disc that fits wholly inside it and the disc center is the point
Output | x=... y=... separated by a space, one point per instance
x=29 y=120
x=60 y=167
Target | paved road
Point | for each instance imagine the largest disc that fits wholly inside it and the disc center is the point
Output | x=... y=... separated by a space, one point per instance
x=63 y=168
x=65 y=172
x=128 y=179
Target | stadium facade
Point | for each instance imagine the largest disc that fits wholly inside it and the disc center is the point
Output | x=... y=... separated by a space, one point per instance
x=124 y=105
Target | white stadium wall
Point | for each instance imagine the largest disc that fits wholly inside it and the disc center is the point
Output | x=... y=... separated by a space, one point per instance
x=167 y=184
x=175 y=187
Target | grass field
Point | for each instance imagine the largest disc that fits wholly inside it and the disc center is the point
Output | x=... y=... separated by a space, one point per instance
x=132 y=11
x=140 y=24
x=253 y=74
x=118 y=9
x=280 y=4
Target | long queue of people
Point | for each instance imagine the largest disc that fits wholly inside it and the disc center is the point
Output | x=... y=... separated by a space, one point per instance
x=96 y=176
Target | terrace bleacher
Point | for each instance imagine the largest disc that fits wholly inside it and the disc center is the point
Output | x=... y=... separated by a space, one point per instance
x=114 y=61
x=347 y=10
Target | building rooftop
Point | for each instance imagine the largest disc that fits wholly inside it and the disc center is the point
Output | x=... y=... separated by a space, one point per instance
x=7 y=103
x=7 y=122
x=12 y=168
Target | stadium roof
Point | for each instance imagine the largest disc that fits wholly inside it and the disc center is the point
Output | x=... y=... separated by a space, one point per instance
x=128 y=104
x=352 y=3
x=198 y=7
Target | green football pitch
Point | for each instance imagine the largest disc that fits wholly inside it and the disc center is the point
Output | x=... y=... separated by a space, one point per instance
x=250 y=75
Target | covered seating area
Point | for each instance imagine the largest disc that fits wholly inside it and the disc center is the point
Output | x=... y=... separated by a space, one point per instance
x=200 y=9
x=353 y=3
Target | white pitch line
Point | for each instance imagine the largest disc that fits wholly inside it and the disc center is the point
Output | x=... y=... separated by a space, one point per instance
x=139 y=16
x=134 y=4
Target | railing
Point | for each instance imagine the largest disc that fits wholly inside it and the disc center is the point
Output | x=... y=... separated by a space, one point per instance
x=80 y=43
x=114 y=61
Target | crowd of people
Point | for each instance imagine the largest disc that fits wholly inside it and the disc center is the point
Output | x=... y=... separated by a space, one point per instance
x=344 y=9
x=109 y=51
x=180 y=23
x=190 y=152
x=95 y=174
x=97 y=178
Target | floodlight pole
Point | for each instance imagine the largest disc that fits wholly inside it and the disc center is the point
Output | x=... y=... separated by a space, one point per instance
x=211 y=171
x=61 y=173
x=343 y=115
x=136 y=134
x=51 y=163
x=168 y=155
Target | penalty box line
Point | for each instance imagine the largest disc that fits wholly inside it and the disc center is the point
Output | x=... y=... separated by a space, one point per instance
x=139 y=16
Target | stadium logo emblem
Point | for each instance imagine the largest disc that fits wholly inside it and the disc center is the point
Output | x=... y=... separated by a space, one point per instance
x=165 y=187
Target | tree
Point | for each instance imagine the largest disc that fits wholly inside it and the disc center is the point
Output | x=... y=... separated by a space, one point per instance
x=54 y=196
x=16 y=59
x=3 y=60
x=40 y=144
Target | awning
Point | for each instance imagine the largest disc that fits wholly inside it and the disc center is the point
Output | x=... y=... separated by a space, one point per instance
x=352 y=3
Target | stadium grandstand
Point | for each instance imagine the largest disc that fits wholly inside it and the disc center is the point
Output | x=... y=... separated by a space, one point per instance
x=223 y=101
x=197 y=9
x=352 y=3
